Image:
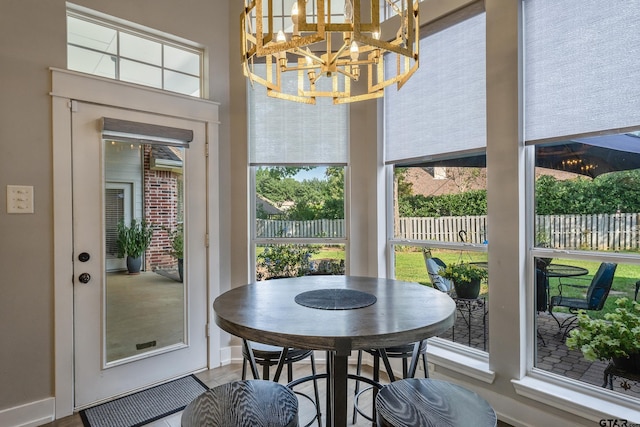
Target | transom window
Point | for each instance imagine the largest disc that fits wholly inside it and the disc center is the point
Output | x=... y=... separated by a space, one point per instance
x=104 y=49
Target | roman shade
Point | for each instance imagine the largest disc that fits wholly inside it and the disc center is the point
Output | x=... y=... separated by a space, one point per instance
x=442 y=108
x=582 y=67
x=284 y=132
x=145 y=133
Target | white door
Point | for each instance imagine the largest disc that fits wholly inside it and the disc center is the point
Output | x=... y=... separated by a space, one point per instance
x=136 y=330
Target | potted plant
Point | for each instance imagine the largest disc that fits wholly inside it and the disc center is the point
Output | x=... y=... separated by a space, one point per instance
x=466 y=278
x=616 y=337
x=133 y=240
x=176 y=238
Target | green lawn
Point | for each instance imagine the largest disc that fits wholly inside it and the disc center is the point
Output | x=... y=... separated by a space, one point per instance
x=410 y=267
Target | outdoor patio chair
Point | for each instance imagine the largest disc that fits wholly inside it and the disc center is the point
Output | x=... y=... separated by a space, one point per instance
x=434 y=265
x=594 y=301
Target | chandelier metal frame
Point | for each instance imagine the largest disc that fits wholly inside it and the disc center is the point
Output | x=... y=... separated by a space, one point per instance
x=309 y=49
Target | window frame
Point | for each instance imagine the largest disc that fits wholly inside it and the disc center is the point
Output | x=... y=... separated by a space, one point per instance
x=144 y=33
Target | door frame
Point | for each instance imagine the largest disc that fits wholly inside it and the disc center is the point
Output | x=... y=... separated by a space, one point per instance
x=69 y=86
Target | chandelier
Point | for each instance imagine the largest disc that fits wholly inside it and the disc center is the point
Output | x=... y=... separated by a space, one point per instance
x=327 y=43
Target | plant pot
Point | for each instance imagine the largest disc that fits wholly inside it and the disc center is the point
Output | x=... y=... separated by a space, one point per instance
x=467 y=290
x=134 y=265
x=181 y=268
x=629 y=364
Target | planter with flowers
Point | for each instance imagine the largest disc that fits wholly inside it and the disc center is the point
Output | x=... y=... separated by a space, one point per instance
x=466 y=278
x=176 y=238
x=616 y=337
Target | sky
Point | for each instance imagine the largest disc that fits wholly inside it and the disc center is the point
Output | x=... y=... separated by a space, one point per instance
x=317 y=172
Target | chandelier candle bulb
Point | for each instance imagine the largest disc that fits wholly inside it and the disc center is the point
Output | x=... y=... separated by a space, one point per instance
x=294 y=19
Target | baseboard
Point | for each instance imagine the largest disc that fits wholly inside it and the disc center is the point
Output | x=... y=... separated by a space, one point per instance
x=30 y=414
x=225 y=356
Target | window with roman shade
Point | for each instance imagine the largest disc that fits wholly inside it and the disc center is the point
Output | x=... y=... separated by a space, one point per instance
x=435 y=139
x=304 y=148
x=582 y=123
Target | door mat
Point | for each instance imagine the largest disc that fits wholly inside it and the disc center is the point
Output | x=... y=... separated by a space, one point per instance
x=145 y=406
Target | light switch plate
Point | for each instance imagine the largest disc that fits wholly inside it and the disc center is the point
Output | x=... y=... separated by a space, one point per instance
x=20 y=199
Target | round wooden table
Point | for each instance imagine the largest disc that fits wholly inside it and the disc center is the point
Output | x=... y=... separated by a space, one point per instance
x=401 y=313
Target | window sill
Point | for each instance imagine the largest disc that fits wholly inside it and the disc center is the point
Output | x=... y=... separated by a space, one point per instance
x=467 y=361
x=584 y=400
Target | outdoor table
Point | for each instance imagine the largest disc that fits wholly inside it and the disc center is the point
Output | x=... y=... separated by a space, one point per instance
x=552 y=270
x=388 y=313
x=469 y=309
x=562 y=270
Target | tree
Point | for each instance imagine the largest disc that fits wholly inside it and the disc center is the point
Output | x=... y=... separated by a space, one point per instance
x=312 y=198
x=465 y=178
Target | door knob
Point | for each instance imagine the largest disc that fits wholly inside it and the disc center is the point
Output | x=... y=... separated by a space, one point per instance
x=84 y=278
x=84 y=257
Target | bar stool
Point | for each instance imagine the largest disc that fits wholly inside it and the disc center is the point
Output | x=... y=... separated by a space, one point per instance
x=427 y=402
x=404 y=352
x=268 y=355
x=251 y=403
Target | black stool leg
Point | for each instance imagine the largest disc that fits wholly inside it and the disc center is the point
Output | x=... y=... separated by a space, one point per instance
x=415 y=356
x=329 y=391
x=283 y=357
x=357 y=390
x=387 y=365
x=425 y=366
x=252 y=360
x=315 y=390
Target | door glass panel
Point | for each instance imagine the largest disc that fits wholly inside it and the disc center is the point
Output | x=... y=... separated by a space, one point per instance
x=143 y=217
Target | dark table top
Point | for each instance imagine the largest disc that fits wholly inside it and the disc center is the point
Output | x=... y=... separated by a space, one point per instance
x=552 y=270
x=267 y=312
x=561 y=270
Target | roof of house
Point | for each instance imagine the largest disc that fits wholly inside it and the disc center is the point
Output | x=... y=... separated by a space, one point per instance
x=267 y=206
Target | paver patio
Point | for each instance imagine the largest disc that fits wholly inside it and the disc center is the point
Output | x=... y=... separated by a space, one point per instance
x=552 y=354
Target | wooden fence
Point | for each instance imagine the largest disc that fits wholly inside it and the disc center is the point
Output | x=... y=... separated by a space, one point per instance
x=616 y=232
x=443 y=229
x=267 y=228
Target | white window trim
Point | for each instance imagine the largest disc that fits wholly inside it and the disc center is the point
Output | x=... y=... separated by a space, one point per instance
x=584 y=400
x=468 y=361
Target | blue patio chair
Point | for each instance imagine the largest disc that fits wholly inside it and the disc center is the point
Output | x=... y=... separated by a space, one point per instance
x=434 y=265
x=594 y=301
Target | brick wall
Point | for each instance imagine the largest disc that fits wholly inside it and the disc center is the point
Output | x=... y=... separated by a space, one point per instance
x=161 y=209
